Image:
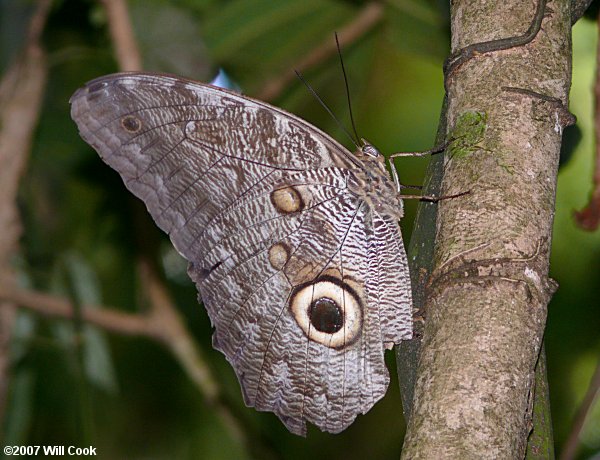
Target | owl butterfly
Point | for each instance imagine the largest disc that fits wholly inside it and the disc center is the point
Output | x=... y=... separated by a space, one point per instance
x=292 y=240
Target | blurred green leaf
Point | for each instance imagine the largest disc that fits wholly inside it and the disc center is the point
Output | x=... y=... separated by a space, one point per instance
x=19 y=407
x=98 y=366
x=170 y=40
x=419 y=27
x=253 y=39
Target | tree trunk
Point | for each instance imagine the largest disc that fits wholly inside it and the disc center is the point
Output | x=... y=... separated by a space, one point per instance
x=485 y=307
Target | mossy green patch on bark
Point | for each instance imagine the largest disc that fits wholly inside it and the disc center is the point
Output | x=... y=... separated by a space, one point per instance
x=467 y=133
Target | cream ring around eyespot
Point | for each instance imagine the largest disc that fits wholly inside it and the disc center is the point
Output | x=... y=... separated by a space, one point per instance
x=346 y=300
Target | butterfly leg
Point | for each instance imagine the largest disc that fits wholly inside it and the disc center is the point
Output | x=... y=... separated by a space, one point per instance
x=433 y=199
x=437 y=149
x=417 y=187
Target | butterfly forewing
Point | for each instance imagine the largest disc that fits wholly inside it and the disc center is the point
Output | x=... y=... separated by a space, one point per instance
x=305 y=284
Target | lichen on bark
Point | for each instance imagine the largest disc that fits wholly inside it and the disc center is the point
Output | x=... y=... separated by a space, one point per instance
x=467 y=133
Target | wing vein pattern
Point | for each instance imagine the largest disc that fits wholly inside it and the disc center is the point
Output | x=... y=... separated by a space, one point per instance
x=304 y=279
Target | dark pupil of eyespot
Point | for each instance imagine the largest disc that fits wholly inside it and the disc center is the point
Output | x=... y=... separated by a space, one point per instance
x=131 y=124
x=326 y=316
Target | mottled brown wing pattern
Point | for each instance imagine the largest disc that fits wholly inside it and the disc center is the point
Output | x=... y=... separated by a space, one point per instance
x=305 y=284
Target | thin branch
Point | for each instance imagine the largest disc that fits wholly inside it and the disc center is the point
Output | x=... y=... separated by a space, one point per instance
x=21 y=94
x=572 y=443
x=38 y=23
x=370 y=15
x=589 y=217
x=52 y=306
x=123 y=38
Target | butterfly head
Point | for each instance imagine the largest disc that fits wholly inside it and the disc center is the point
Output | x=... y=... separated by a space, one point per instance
x=373 y=183
x=368 y=150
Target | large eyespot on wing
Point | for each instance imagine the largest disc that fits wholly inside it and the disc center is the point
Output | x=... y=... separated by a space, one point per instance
x=328 y=310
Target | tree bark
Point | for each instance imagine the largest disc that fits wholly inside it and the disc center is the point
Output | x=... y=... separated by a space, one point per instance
x=487 y=299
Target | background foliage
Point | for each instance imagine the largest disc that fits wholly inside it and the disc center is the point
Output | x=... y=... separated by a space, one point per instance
x=127 y=396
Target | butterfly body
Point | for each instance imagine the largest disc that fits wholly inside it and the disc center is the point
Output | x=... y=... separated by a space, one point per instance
x=372 y=184
x=293 y=241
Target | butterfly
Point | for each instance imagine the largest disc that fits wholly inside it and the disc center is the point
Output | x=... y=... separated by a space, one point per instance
x=292 y=240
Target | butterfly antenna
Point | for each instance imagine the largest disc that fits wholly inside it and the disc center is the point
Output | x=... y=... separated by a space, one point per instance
x=339 y=49
x=326 y=107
